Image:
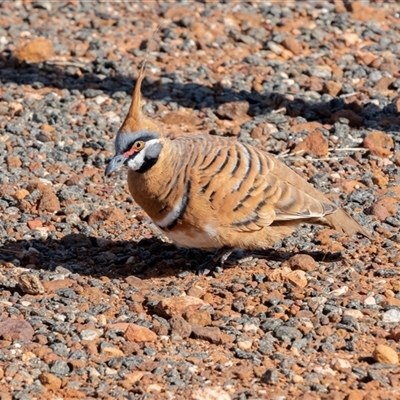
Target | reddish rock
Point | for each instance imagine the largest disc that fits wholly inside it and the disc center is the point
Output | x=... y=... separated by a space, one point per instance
x=30 y=284
x=137 y=333
x=34 y=224
x=75 y=179
x=131 y=378
x=303 y=262
x=297 y=278
x=37 y=50
x=133 y=332
x=332 y=88
x=315 y=144
x=138 y=283
x=379 y=144
x=200 y=317
x=16 y=329
x=160 y=329
x=111 y=352
x=257 y=132
x=177 y=306
x=362 y=12
x=340 y=7
x=177 y=12
x=306 y=126
x=315 y=83
x=379 y=178
x=233 y=110
x=180 y=118
x=356 y=395
x=384 y=83
x=109 y=214
x=48 y=201
x=395 y=335
x=195 y=291
x=15 y=108
x=385 y=355
x=50 y=381
x=80 y=109
x=21 y=194
x=47 y=128
x=365 y=58
x=290 y=43
x=392 y=301
x=210 y=334
x=180 y=327
x=279 y=274
x=14 y=162
x=379 y=211
x=52 y=286
x=390 y=203
x=348 y=186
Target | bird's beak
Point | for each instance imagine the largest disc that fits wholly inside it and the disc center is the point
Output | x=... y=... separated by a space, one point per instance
x=115 y=164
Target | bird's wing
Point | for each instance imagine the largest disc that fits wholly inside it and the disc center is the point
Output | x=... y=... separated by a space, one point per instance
x=249 y=190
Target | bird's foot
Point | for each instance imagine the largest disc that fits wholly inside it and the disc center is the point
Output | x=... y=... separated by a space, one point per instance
x=216 y=263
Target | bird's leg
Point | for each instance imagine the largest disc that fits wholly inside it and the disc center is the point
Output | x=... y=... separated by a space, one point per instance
x=218 y=258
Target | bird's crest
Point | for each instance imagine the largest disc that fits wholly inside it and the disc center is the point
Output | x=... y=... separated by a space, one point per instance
x=135 y=120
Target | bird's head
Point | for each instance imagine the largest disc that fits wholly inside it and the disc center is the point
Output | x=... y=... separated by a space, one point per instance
x=139 y=151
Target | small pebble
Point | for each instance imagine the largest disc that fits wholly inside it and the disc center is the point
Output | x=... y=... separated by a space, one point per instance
x=385 y=354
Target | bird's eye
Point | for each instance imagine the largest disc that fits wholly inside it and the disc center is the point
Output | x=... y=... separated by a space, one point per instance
x=139 y=145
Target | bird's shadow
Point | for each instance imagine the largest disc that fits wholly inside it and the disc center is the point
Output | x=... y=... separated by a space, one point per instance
x=83 y=76
x=146 y=259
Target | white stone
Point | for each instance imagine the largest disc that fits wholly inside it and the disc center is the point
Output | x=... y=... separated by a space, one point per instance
x=321 y=72
x=391 y=316
x=370 y=301
x=210 y=393
x=100 y=99
x=340 y=291
x=250 y=328
x=340 y=364
x=111 y=371
x=245 y=345
x=93 y=373
x=356 y=314
x=324 y=370
x=91 y=334
x=275 y=48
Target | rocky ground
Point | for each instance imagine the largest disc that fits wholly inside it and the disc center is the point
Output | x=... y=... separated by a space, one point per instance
x=95 y=303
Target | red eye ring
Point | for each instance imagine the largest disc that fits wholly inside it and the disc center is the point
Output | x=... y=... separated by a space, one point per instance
x=137 y=146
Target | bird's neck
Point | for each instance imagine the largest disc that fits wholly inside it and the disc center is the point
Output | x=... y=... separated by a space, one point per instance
x=147 y=188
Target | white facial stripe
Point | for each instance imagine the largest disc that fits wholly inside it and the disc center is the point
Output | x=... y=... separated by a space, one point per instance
x=171 y=216
x=137 y=162
x=150 y=143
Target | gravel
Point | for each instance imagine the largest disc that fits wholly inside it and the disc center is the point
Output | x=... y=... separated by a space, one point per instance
x=83 y=272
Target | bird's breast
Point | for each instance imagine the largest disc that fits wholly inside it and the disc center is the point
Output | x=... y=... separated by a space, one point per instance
x=189 y=236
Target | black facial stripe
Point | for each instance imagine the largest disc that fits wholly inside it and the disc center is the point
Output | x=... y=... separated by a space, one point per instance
x=147 y=164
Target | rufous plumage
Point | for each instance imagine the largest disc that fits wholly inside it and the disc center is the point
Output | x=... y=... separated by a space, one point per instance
x=214 y=192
